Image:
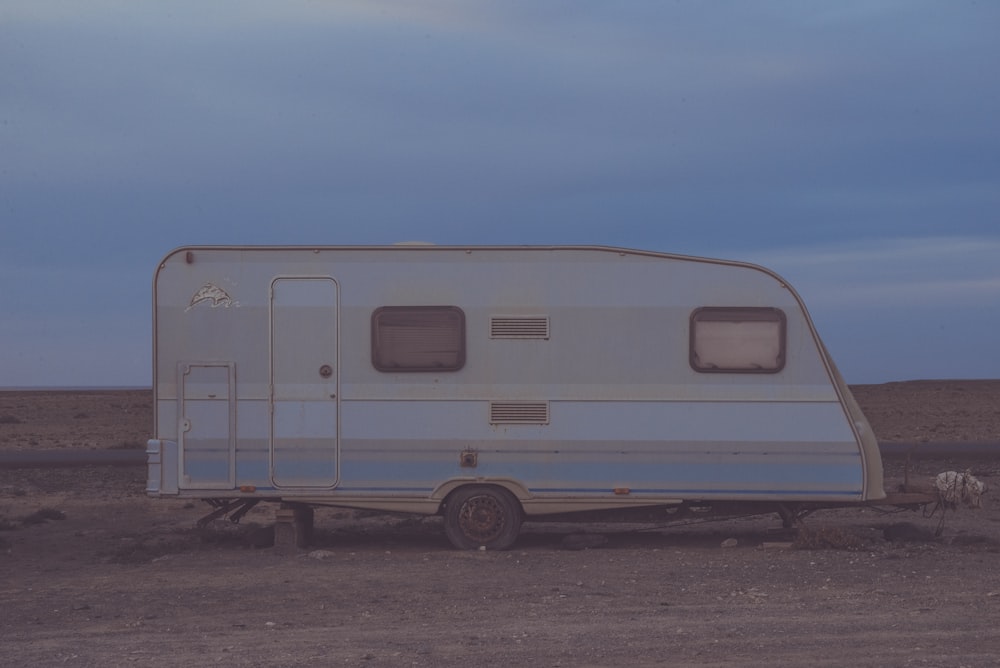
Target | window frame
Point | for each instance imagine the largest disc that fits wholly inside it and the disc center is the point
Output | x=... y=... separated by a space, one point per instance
x=738 y=314
x=450 y=311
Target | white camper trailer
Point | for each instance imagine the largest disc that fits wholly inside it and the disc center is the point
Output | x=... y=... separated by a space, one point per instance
x=495 y=384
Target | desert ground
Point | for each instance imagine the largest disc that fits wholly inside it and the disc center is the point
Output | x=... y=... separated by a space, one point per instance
x=93 y=573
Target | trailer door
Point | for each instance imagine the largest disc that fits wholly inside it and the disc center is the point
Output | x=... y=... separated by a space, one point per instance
x=304 y=382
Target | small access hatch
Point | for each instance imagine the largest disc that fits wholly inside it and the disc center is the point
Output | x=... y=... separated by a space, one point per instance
x=207 y=425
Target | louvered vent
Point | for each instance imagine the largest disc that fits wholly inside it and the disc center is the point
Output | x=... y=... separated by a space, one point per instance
x=519 y=327
x=519 y=412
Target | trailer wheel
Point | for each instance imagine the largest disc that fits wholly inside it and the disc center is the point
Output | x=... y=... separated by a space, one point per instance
x=482 y=516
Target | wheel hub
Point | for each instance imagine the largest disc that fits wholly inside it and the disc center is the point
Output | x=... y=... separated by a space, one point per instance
x=482 y=518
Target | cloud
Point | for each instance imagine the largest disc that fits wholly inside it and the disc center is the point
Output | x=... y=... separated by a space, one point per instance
x=942 y=272
x=462 y=100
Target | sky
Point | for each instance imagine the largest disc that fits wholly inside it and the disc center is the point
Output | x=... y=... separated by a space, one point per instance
x=853 y=147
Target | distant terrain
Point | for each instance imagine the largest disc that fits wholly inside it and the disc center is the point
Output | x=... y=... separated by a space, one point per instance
x=911 y=411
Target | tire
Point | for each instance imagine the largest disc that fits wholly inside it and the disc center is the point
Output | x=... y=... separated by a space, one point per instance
x=479 y=516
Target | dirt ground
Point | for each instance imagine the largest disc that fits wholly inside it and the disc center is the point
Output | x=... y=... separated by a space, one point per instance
x=92 y=573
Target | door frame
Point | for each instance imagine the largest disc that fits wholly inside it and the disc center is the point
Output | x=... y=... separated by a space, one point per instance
x=335 y=380
x=184 y=425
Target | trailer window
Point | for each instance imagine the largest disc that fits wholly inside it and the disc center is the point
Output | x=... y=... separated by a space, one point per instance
x=418 y=338
x=737 y=340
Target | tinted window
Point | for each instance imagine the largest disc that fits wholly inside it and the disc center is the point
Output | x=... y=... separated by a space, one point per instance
x=418 y=338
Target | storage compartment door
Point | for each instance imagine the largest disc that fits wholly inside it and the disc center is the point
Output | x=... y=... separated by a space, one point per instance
x=304 y=382
x=207 y=426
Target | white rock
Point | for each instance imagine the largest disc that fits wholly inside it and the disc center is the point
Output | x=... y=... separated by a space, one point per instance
x=321 y=554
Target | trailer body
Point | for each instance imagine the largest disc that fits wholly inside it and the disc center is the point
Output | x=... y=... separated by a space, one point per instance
x=566 y=378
